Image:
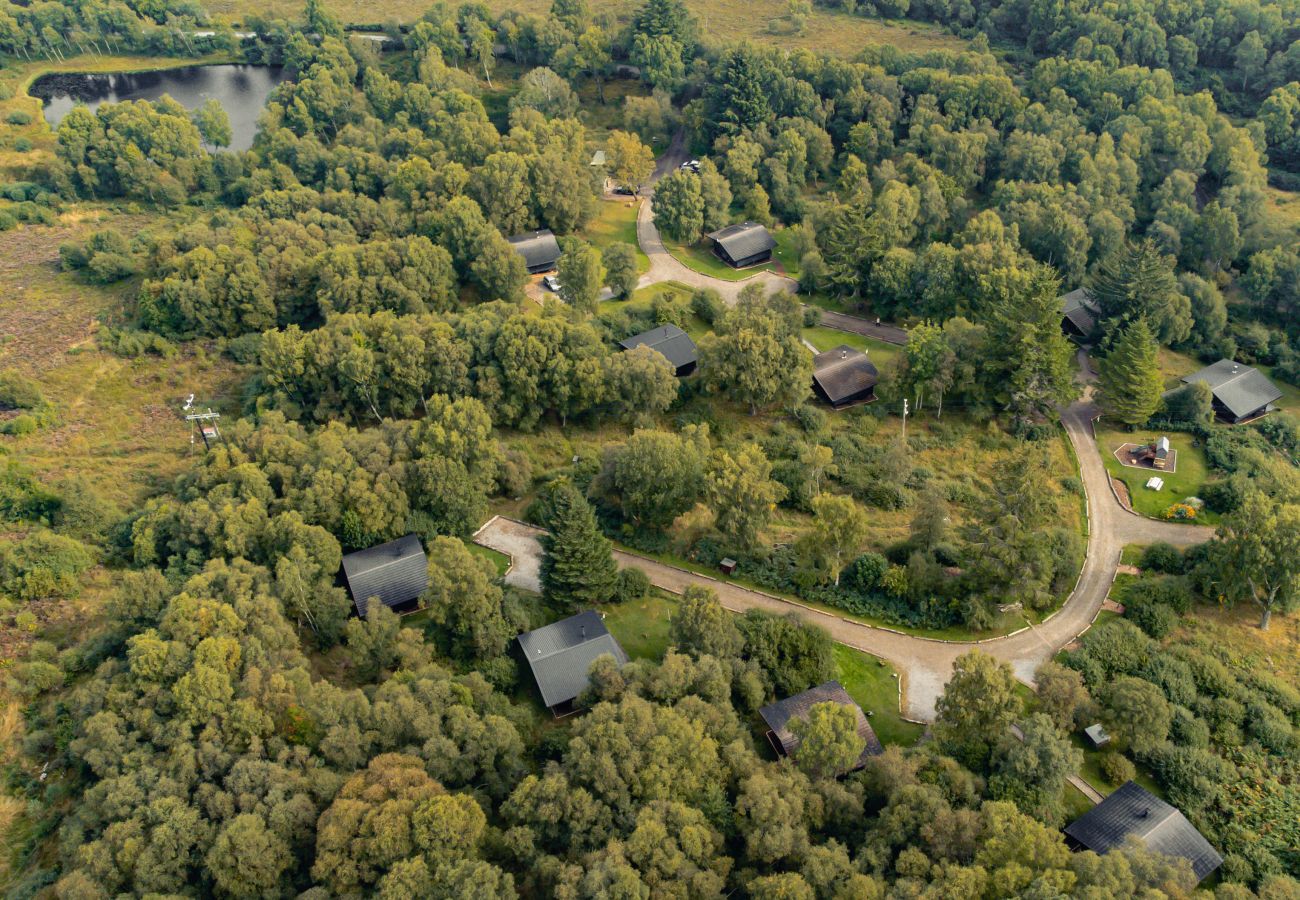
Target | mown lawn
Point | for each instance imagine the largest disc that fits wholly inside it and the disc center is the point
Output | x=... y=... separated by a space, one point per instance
x=824 y=339
x=1187 y=481
x=874 y=685
x=500 y=560
x=641 y=626
x=616 y=223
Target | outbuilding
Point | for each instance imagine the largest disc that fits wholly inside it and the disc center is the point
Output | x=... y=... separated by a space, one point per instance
x=1241 y=393
x=785 y=742
x=843 y=377
x=674 y=344
x=395 y=573
x=560 y=654
x=540 y=250
x=743 y=245
x=1079 y=313
x=1134 y=811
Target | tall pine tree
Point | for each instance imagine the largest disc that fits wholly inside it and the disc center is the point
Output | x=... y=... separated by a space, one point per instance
x=578 y=568
x=1130 y=375
x=1137 y=281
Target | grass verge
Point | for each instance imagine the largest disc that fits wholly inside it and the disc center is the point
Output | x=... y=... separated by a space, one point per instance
x=874 y=685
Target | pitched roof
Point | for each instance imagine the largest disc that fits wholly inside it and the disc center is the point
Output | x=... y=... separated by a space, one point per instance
x=561 y=653
x=743 y=240
x=538 y=248
x=599 y=158
x=842 y=372
x=1132 y=810
x=395 y=572
x=1081 y=309
x=778 y=715
x=1240 y=388
x=675 y=344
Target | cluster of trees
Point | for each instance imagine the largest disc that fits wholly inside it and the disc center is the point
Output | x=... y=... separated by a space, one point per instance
x=157 y=28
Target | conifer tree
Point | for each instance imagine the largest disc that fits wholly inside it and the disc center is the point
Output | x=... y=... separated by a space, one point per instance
x=1130 y=375
x=578 y=568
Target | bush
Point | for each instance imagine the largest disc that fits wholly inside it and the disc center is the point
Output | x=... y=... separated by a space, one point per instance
x=7 y=220
x=43 y=564
x=707 y=304
x=1222 y=496
x=1117 y=768
x=632 y=584
x=811 y=419
x=19 y=392
x=23 y=145
x=812 y=317
x=1162 y=557
x=19 y=117
x=866 y=573
x=1155 y=619
x=1180 y=512
x=20 y=425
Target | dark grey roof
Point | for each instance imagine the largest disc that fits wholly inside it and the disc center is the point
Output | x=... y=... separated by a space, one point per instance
x=778 y=715
x=395 y=572
x=1240 y=388
x=675 y=344
x=561 y=653
x=1133 y=810
x=1081 y=309
x=842 y=372
x=743 y=240
x=538 y=248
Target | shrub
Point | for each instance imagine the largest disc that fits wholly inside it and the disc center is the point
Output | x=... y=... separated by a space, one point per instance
x=43 y=564
x=1162 y=557
x=20 y=425
x=1155 y=619
x=23 y=145
x=18 y=391
x=1186 y=730
x=1180 y=512
x=811 y=419
x=1222 y=496
x=707 y=304
x=7 y=220
x=19 y=117
x=632 y=584
x=866 y=573
x=1117 y=768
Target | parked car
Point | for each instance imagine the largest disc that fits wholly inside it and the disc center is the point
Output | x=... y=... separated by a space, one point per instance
x=691 y=165
x=551 y=283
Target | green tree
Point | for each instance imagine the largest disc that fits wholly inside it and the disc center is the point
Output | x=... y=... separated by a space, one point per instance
x=978 y=705
x=621 y=274
x=929 y=365
x=700 y=625
x=742 y=493
x=630 y=161
x=640 y=384
x=1131 y=383
x=464 y=598
x=829 y=743
x=213 y=123
x=839 y=528
x=1061 y=694
x=543 y=90
x=1031 y=769
x=248 y=859
x=655 y=476
x=1135 y=713
x=1256 y=555
x=578 y=568
x=755 y=356
x=679 y=206
x=1137 y=281
x=372 y=641
x=581 y=275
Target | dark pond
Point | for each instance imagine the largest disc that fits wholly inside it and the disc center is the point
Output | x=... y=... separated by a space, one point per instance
x=242 y=90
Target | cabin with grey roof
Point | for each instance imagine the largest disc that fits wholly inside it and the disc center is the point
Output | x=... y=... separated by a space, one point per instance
x=785 y=742
x=1241 y=393
x=1133 y=811
x=560 y=655
x=540 y=250
x=395 y=573
x=669 y=340
x=843 y=376
x=743 y=245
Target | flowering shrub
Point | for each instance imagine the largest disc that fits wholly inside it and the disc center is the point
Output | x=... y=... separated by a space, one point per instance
x=1180 y=512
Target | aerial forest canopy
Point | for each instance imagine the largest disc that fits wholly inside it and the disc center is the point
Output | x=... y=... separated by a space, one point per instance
x=223 y=724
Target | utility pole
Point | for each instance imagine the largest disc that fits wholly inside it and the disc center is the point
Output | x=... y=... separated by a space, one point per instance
x=904 y=420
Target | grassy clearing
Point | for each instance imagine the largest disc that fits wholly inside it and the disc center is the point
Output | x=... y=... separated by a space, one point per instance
x=641 y=626
x=1290 y=401
x=642 y=301
x=498 y=559
x=785 y=251
x=1131 y=555
x=721 y=21
x=1187 y=481
x=616 y=223
x=874 y=685
x=1174 y=365
x=1280 y=223
x=825 y=338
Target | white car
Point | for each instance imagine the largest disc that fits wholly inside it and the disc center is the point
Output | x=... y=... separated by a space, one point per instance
x=692 y=165
x=551 y=283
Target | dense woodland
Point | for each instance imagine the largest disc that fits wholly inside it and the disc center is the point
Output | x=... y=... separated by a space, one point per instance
x=225 y=727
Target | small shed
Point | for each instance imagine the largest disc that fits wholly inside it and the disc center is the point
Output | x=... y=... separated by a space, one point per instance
x=743 y=245
x=560 y=654
x=674 y=344
x=1241 y=393
x=599 y=158
x=1133 y=810
x=540 y=250
x=843 y=377
x=779 y=714
x=727 y=566
x=1079 y=313
x=1160 y=452
x=1097 y=735
x=396 y=574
